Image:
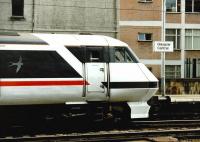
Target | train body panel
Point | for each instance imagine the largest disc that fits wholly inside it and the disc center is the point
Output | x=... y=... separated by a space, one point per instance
x=40 y=95
x=69 y=69
x=120 y=72
x=128 y=94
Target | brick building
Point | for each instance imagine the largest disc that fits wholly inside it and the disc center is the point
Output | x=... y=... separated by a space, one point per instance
x=141 y=23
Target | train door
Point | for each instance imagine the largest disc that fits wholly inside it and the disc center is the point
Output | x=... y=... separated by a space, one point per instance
x=96 y=74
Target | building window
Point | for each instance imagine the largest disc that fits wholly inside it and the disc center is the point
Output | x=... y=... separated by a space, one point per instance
x=173 y=5
x=192 y=39
x=17 y=8
x=173 y=71
x=145 y=1
x=173 y=35
x=192 y=5
x=144 y=36
x=192 y=67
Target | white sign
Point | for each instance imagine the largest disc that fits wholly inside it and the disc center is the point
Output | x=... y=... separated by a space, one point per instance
x=163 y=46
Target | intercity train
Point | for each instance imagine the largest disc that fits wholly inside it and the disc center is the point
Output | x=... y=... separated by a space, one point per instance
x=38 y=69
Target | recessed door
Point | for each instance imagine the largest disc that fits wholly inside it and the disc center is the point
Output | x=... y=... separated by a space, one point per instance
x=96 y=73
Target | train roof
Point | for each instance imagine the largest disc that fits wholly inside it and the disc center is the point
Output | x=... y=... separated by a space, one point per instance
x=20 y=38
x=60 y=39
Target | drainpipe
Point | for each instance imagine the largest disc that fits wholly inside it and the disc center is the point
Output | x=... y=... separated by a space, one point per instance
x=163 y=53
x=117 y=18
x=33 y=16
x=182 y=38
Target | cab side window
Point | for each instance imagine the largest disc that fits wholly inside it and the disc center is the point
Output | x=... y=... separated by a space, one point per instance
x=90 y=53
x=121 y=55
x=96 y=54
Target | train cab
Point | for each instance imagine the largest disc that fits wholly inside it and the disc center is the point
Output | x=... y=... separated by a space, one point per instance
x=73 y=69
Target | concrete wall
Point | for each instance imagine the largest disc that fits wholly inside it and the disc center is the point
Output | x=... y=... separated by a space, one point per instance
x=6 y=24
x=65 y=16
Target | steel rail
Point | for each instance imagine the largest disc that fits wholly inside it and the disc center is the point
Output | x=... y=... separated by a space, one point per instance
x=161 y=123
x=136 y=130
x=114 y=135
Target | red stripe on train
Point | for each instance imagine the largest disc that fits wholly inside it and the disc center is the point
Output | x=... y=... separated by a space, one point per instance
x=43 y=83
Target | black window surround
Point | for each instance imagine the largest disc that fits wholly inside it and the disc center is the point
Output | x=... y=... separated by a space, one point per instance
x=34 y=64
x=102 y=54
x=87 y=54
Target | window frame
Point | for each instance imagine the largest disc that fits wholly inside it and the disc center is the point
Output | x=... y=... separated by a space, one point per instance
x=145 y=40
x=190 y=70
x=176 y=72
x=177 y=10
x=19 y=15
x=192 y=37
x=193 y=3
x=145 y=1
x=176 y=38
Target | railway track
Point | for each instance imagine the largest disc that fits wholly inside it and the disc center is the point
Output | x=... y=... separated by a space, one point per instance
x=114 y=135
x=140 y=130
x=166 y=123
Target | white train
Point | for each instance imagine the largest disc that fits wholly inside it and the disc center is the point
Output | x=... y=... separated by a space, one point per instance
x=75 y=70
